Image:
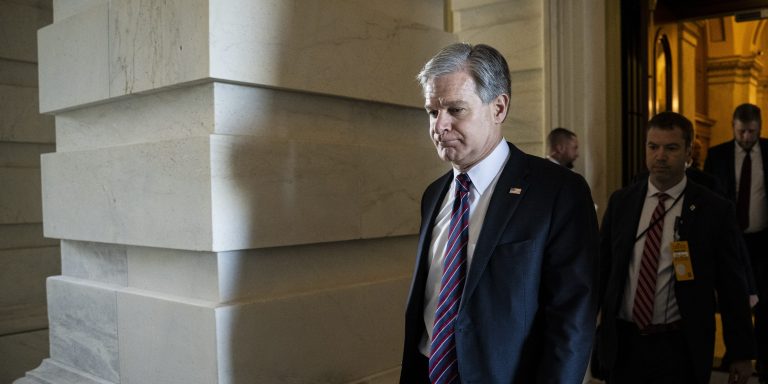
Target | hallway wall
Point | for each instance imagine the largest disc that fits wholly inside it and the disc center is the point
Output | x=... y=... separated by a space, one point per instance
x=26 y=258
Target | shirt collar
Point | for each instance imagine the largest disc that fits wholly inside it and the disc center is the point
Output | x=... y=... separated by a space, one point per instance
x=483 y=173
x=755 y=148
x=550 y=158
x=673 y=192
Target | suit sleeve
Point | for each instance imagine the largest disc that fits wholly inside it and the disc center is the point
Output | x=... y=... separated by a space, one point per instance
x=708 y=163
x=569 y=286
x=731 y=284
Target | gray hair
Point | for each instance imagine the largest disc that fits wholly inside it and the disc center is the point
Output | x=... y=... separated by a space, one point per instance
x=484 y=63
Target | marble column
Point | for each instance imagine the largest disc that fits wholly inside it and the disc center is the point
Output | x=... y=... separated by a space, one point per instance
x=236 y=188
x=689 y=39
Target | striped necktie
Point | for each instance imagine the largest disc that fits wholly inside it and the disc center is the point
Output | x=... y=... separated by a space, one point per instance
x=642 y=312
x=443 y=364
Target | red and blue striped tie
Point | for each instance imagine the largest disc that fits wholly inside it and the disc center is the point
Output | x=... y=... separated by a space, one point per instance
x=443 y=366
x=645 y=294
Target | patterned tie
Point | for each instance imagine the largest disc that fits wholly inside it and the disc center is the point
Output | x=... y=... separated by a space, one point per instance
x=443 y=366
x=642 y=311
x=745 y=189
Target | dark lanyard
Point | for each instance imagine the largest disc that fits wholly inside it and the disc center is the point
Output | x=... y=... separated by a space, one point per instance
x=662 y=216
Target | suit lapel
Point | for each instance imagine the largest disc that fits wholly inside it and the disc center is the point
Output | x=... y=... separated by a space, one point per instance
x=764 y=153
x=730 y=164
x=689 y=210
x=432 y=205
x=627 y=226
x=501 y=208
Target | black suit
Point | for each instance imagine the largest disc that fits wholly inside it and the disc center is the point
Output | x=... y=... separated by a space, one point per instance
x=712 y=241
x=527 y=314
x=721 y=163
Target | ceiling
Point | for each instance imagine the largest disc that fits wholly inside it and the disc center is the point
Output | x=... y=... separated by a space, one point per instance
x=676 y=10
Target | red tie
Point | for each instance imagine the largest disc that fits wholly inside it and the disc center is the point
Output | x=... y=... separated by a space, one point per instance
x=642 y=311
x=745 y=189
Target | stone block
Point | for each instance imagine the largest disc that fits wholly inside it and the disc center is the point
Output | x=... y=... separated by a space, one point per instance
x=283 y=115
x=195 y=274
x=158 y=44
x=427 y=12
x=18 y=26
x=172 y=114
x=23 y=155
x=521 y=54
x=23 y=273
x=500 y=12
x=458 y=5
x=18 y=73
x=274 y=193
x=19 y=202
x=74 y=60
x=23 y=317
x=299 y=45
x=63 y=9
x=261 y=341
x=53 y=372
x=525 y=121
x=84 y=326
x=535 y=149
x=390 y=376
x=164 y=339
x=14 y=236
x=21 y=352
x=268 y=273
x=154 y=194
x=20 y=119
x=104 y=263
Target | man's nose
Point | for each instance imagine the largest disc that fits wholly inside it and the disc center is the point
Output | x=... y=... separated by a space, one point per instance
x=442 y=122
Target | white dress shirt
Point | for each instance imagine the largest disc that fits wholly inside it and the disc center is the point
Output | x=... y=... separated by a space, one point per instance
x=484 y=176
x=665 y=308
x=758 y=211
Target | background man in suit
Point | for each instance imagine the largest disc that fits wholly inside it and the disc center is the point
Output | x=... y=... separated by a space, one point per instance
x=667 y=246
x=741 y=165
x=563 y=147
x=504 y=284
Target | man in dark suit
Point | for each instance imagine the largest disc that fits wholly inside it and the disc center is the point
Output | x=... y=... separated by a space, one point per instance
x=504 y=289
x=741 y=165
x=667 y=247
x=563 y=147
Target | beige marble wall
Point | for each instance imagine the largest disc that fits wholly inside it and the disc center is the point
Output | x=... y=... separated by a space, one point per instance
x=496 y=23
x=234 y=200
x=236 y=185
x=26 y=258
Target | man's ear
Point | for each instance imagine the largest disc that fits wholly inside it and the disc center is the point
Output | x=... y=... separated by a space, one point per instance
x=500 y=108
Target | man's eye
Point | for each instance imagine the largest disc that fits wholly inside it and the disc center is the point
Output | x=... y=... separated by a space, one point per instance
x=454 y=111
x=432 y=113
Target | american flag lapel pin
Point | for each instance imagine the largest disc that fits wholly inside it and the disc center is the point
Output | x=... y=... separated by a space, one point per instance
x=515 y=191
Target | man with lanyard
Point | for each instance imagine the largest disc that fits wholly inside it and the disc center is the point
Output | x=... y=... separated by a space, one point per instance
x=667 y=247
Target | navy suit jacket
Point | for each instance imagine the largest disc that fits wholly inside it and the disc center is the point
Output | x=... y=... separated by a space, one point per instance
x=527 y=313
x=708 y=223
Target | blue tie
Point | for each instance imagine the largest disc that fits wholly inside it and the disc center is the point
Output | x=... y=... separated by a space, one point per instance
x=443 y=364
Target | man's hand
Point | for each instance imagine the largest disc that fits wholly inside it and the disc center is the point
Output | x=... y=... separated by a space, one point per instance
x=741 y=371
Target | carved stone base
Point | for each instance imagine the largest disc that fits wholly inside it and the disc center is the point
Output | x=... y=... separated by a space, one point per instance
x=51 y=372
